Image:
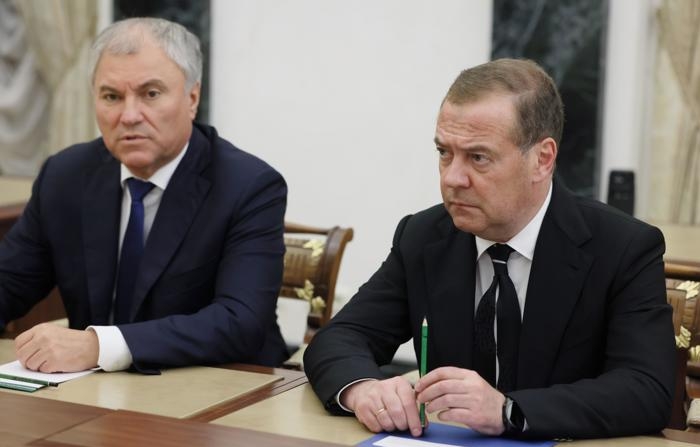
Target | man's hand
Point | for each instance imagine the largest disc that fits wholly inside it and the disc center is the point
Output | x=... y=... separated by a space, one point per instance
x=461 y=395
x=384 y=405
x=49 y=348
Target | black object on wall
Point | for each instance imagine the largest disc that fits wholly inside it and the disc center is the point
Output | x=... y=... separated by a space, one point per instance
x=621 y=191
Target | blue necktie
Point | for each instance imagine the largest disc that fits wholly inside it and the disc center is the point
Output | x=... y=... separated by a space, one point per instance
x=132 y=251
x=508 y=312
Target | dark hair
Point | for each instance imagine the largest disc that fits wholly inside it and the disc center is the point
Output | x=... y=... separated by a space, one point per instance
x=538 y=107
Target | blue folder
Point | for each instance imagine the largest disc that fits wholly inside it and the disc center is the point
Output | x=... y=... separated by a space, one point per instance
x=457 y=436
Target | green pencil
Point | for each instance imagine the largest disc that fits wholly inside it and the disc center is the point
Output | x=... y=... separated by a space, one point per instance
x=423 y=362
x=24 y=379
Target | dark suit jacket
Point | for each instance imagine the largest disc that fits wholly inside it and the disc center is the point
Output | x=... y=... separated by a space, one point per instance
x=212 y=265
x=597 y=348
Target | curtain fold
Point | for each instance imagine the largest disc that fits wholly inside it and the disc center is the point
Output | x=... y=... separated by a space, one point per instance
x=675 y=156
x=24 y=98
x=60 y=34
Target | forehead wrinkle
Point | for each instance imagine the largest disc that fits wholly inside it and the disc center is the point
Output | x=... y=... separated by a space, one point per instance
x=467 y=136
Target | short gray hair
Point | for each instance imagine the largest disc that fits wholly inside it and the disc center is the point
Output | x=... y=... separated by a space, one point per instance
x=127 y=36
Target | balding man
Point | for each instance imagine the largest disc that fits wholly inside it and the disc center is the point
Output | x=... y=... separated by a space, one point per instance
x=547 y=313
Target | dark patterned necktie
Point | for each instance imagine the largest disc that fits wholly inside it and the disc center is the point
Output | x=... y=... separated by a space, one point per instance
x=132 y=251
x=508 y=313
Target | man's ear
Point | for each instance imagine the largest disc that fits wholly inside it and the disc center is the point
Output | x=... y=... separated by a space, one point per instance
x=194 y=96
x=546 y=157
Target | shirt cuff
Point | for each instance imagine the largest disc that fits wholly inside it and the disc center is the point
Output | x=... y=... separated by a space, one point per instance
x=337 y=396
x=509 y=411
x=114 y=353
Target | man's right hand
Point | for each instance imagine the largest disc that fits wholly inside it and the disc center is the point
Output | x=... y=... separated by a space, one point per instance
x=50 y=348
x=384 y=405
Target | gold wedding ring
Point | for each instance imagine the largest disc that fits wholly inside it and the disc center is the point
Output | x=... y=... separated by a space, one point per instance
x=378 y=412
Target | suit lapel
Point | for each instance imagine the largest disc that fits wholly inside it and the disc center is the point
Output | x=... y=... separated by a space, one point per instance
x=557 y=276
x=101 y=212
x=450 y=271
x=178 y=207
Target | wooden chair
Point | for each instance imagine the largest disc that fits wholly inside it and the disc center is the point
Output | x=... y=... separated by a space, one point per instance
x=682 y=287
x=311 y=266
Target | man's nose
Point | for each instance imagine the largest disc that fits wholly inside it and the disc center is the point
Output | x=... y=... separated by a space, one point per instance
x=456 y=174
x=132 y=113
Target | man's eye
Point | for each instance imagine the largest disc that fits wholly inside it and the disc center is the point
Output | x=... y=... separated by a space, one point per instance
x=153 y=94
x=479 y=158
x=110 y=97
x=441 y=152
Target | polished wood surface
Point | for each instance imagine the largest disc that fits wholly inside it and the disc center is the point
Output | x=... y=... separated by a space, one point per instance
x=299 y=413
x=682 y=270
x=287 y=379
x=293 y=418
x=179 y=392
x=124 y=428
x=24 y=418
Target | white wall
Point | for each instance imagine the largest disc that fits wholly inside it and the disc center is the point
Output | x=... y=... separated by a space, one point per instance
x=341 y=97
x=628 y=82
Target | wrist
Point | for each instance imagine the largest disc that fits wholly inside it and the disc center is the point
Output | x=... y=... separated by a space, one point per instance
x=348 y=395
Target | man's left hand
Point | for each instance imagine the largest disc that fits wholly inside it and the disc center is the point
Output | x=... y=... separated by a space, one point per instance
x=50 y=348
x=462 y=396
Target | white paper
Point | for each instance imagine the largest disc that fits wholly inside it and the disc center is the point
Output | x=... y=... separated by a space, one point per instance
x=17 y=370
x=395 y=441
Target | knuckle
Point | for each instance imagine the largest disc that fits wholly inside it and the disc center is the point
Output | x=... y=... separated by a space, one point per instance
x=395 y=413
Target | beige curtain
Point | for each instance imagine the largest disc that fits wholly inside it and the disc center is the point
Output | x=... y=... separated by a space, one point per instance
x=675 y=154
x=60 y=33
x=24 y=98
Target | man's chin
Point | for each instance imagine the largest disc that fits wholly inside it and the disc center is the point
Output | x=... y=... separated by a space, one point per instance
x=139 y=166
x=467 y=224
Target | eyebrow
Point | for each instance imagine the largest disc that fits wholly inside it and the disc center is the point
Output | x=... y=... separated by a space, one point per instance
x=152 y=83
x=149 y=83
x=474 y=148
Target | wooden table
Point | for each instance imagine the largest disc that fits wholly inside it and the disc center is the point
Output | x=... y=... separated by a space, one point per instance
x=97 y=409
x=124 y=428
x=179 y=392
x=24 y=419
x=281 y=412
x=299 y=413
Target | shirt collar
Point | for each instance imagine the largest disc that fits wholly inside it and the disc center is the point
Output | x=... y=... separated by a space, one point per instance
x=523 y=242
x=162 y=176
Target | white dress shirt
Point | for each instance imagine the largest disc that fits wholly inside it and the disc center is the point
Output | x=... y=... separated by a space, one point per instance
x=114 y=353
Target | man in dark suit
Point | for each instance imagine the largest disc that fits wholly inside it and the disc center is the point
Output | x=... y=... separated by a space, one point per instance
x=186 y=274
x=546 y=312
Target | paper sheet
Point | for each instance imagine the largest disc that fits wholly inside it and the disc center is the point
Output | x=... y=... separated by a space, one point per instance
x=14 y=370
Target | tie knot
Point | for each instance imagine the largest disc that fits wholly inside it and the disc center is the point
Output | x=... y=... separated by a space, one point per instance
x=499 y=254
x=138 y=188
